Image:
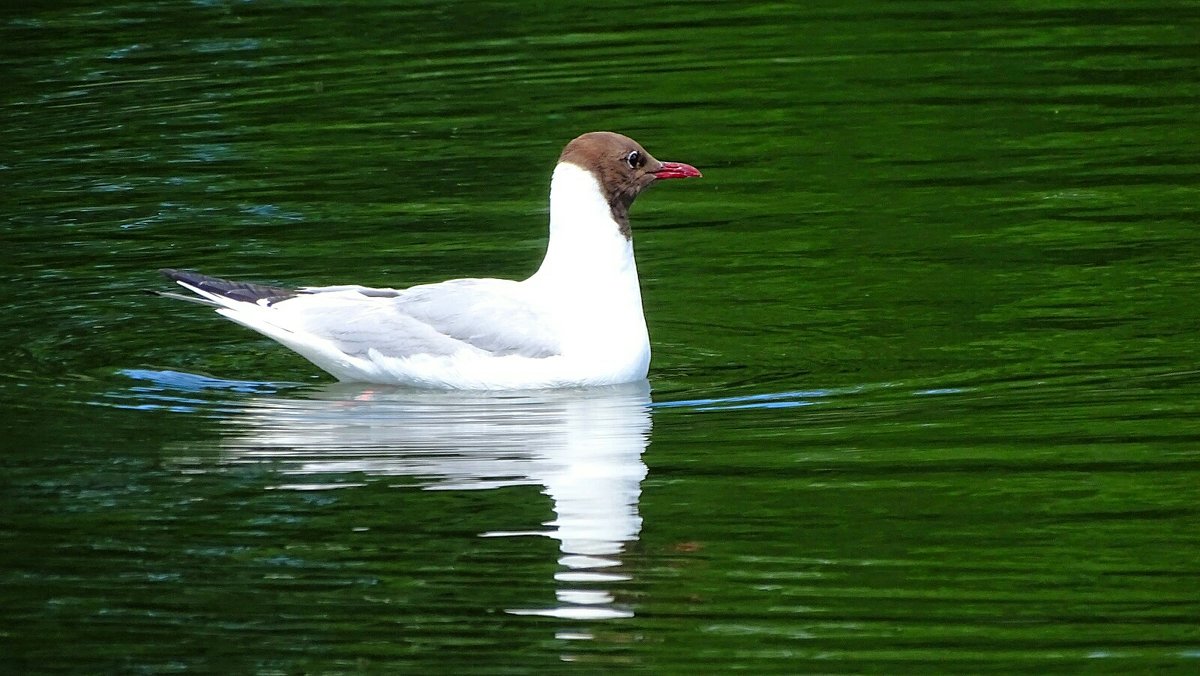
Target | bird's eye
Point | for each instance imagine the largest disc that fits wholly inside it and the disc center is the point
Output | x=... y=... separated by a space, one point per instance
x=634 y=159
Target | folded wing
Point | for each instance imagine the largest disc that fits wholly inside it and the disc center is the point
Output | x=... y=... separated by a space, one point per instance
x=490 y=317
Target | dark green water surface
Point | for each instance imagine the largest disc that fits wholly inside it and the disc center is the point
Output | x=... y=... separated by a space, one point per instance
x=925 y=392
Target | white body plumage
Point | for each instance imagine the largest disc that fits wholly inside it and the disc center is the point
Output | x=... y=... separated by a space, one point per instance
x=576 y=322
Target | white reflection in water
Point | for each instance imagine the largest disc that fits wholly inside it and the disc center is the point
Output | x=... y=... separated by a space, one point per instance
x=584 y=447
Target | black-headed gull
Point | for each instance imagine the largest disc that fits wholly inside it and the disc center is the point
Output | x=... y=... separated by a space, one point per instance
x=576 y=322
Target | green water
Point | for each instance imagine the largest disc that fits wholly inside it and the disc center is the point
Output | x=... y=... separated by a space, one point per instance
x=924 y=394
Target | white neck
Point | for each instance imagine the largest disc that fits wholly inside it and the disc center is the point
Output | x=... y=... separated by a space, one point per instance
x=585 y=242
x=590 y=280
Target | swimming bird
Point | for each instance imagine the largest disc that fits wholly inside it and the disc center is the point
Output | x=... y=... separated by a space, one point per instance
x=577 y=322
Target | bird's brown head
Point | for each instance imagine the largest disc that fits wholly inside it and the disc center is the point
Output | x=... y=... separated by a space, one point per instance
x=622 y=168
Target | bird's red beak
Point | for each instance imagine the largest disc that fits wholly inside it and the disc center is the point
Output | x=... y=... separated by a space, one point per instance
x=677 y=170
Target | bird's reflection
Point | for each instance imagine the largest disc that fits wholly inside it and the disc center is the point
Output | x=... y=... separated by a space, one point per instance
x=584 y=447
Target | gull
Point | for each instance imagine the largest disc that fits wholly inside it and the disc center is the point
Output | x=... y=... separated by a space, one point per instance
x=577 y=322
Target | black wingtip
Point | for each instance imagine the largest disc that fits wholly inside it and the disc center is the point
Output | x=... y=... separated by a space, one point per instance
x=189 y=276
x=239 y=291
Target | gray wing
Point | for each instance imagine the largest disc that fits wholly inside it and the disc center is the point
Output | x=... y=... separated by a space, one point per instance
x=488 y=315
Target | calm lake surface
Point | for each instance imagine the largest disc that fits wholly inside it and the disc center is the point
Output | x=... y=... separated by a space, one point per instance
x=925 y=388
